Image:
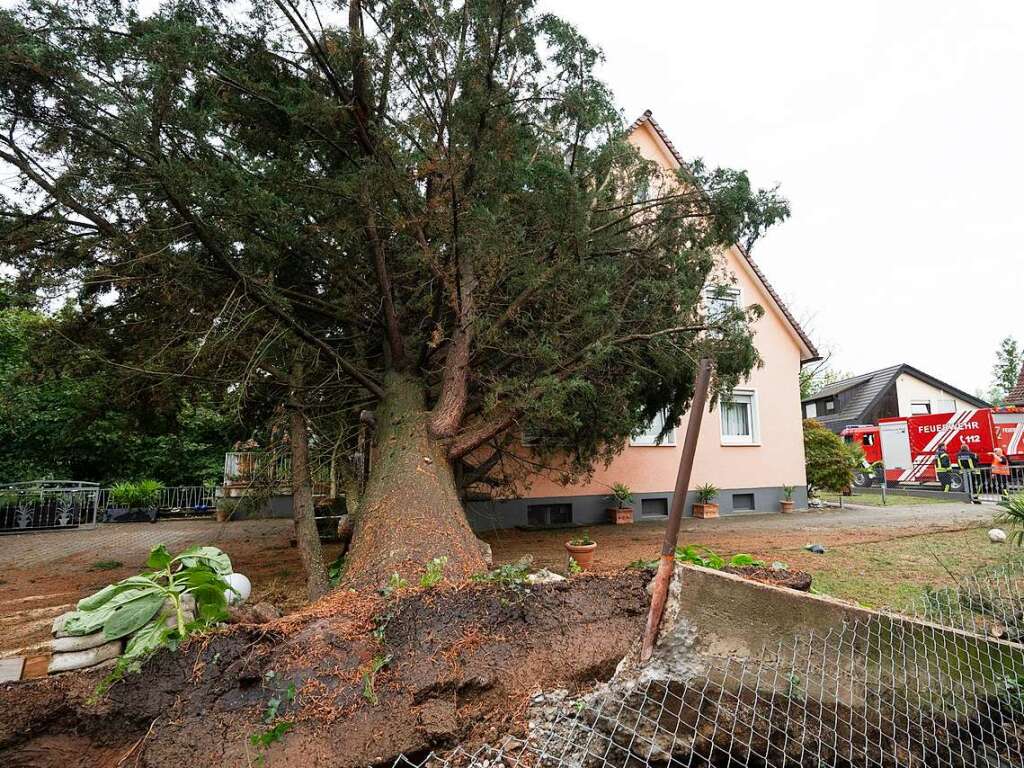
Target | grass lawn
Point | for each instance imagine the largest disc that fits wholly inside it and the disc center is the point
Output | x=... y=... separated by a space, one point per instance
x=875 y=499
x=893 y=574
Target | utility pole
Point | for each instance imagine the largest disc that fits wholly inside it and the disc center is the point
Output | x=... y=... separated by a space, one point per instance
x=666 y=565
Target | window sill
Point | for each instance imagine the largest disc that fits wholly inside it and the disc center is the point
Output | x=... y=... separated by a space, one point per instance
x=652 y=445
x=729 y=444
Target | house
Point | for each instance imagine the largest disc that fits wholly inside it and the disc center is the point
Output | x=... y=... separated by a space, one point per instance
x=900 y=390
x=750 y=447
x=1016 y=395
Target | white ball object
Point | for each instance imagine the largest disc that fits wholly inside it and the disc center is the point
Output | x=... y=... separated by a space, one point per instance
x=997 y=535
x=241 y=584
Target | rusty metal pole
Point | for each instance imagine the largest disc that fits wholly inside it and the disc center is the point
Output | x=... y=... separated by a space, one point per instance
x=666 y=564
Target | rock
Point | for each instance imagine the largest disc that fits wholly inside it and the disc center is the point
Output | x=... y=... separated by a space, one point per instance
x=438 y=720
x=817 y=549
x=69 y=644
x=544 y=576
x=485 y=550
x=64 y=662
x=778 y=565
x=258 y=613
x=345 y=529
x=997 y=535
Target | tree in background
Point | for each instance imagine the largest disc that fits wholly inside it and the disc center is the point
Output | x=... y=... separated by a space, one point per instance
x=1005 y=371
x=66 y=414
x=830 y=463
x=816 y=376
x=433 y=205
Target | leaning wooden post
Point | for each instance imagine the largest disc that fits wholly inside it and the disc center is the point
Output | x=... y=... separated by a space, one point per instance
x=668 y=547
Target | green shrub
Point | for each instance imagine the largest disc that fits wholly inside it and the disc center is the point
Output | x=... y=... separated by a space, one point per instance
x=830 y=463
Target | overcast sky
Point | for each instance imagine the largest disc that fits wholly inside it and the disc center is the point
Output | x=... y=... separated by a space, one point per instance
x=896 y=130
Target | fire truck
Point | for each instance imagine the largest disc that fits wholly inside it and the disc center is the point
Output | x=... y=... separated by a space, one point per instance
x=903 y=447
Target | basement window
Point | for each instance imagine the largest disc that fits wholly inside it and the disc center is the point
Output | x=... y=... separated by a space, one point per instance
x=743 y=502
x=542 y=515
x=654 y=507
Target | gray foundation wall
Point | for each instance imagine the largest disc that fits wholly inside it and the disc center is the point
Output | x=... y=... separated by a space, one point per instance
x=590 y=510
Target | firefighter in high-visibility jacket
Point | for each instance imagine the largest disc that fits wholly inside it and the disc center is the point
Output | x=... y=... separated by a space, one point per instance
x=967 y=460
x=1000 y=471
x=943 y=468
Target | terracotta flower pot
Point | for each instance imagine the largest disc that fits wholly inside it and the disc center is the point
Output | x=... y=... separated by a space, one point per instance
x=583 y=554
x=705 y=511
x=620 y=515
x=785 y=506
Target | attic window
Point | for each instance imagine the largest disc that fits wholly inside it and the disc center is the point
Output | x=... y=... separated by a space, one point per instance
x=830 y=406
x=719 y=299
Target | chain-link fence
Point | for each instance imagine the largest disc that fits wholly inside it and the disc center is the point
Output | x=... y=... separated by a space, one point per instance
x=943 y=686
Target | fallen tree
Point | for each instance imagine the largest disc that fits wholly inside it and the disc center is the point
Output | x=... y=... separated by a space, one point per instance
x=436 y=201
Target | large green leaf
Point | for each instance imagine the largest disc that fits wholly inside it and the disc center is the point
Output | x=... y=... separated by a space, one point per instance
x=210 y=557
x=159 y=558
x=132 y=615
x=85 y=622
x=146 y=640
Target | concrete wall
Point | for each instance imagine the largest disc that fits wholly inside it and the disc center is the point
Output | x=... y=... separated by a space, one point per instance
x=592 y=509
x=714 y=616
x=910 y=389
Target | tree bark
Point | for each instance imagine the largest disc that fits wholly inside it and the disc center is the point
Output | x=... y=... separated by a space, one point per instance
x=410 y=510
x=306 y=533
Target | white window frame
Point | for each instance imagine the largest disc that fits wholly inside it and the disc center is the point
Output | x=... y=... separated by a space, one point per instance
x=830 y=405
x=709 y=291
x=926 y=403
x=647 y=440
x=754 y=438
x=811 y=411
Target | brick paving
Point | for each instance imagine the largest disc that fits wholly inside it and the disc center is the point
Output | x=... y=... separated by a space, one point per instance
x=131 y=542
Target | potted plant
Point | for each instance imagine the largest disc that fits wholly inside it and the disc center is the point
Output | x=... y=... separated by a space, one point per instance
x=705 y=506
x=581 y=550
x=134 y=502
x=786 y=504
x=621 y=514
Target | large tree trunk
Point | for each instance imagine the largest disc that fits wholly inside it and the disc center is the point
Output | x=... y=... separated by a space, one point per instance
x=410 y=511
x=306 y=534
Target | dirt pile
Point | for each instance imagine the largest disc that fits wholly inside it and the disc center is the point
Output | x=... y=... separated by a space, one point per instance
x=349 y=681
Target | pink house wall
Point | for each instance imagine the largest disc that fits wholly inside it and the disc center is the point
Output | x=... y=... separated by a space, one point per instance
x=778 y=458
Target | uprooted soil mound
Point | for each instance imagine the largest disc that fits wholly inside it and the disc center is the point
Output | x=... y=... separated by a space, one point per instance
x=350 y=681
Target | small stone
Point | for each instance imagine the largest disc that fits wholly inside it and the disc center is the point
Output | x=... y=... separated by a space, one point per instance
x=817 y=549
x=427 y=460
x=64 y=662
x=69 y=644
x=997 y=535
x=778 y=565
x=485 y=550
x=544 y=576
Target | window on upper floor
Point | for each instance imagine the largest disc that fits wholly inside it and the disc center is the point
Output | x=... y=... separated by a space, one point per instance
x=739 y=419
x=650 y=436
x=719 y=299
x=920 y=407
x=811 y=411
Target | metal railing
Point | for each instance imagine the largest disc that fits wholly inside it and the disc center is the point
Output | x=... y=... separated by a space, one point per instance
x=985 y=485
x=48 y=505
